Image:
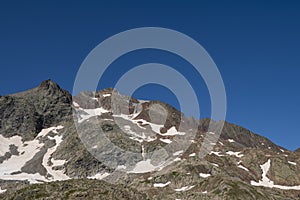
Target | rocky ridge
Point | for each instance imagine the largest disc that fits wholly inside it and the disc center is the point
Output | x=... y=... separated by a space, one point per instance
x=38 y=129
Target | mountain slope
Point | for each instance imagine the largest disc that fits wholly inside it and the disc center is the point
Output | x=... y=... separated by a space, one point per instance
x=27 y=113
x=40 y=142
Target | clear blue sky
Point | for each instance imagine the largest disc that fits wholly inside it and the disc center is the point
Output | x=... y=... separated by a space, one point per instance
x=255 y=45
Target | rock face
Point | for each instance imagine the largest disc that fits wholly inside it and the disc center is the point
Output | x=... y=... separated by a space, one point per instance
x=153 y=151
x=27 y=113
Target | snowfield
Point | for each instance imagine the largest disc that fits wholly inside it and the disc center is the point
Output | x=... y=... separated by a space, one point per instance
x=10 y=169
x=266 y=182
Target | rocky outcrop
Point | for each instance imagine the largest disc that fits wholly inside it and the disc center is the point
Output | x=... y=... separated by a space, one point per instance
x=27 y=113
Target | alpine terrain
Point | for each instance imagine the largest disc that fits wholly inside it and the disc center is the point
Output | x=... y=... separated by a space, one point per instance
x=104 y=145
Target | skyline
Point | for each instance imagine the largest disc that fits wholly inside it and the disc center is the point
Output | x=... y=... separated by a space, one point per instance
x=255 y=46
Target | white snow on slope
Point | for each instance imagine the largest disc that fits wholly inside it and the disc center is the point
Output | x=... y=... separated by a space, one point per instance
x=292 y=163
x=244 y=168
x=173 y=131
x=203 y=175
x=121 y=167
x=2 y=191
x=138 y=137
x=214 y=164
x=131 y=119
x=5 y=142
x=161 y=185
x=216 y=153
x=27 y=152
x=232 y=153
x=75 y=104
x=192 y=155
x=99 y=176
x=186 y=188
x=231 y=140
x=177 y=159
x=56 y=174
x=57 y=162
x=266 y=182
x=155 y=127
x=144 y=167
x=90 y=113
x=177 y=153
x=168 y=141
x=106 y=95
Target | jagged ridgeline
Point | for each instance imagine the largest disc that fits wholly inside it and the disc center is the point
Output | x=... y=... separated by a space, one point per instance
x=46 y=154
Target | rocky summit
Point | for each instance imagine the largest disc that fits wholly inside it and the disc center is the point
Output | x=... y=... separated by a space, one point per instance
x=105 y=145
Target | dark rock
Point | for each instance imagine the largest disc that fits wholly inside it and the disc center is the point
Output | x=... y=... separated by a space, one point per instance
x=27 y=113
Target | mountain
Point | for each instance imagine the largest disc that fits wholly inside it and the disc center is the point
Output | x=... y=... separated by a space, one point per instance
x=104 y=145
x=27 y=113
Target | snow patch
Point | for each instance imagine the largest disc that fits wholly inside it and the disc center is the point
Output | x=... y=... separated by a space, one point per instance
x=214 y=164
x=292 y=163
x=266 y=182
x=106 y=95
x=75 y=104
x=232 y=153
x=161 y=185
x=2 y=191
x=91 y=113
x=177 y=159
x=28 y=150
x=144 y=167
x=5 y=142
x=138 y=137
x=203 y=175
x=120 y=167
x=168 y=141
x=177 y=153
x=56 y=174
x=216 y=153
x=192 y=155
x=244 y=168
x=186 y=188
x=57 y=162
x=99 y=176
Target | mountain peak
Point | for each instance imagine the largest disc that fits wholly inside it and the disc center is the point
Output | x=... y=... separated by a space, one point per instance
x=34 y=109
x=49 y=84
x=51 y=88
